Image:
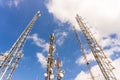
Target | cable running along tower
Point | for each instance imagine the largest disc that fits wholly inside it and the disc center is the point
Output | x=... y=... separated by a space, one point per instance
x=10 y=62
x=103 y=62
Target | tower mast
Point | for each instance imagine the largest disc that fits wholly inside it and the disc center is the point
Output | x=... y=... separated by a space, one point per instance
x=14 y=54
x=50 y=61
x=49 y=75
x=84 y=53
x=102 y=60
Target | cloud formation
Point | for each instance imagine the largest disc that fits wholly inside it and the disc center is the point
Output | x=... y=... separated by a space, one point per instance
x=42 y=59
x=10 y=3
x=81 y=60
x=97 y=74
x=39 y=42
x=112 y=46
x=42 y=44
x=60 y=37
x=103 y=15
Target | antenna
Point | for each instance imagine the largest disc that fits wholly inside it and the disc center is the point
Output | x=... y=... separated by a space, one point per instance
x=83 y=52
x=100 y=57
x=10 y=62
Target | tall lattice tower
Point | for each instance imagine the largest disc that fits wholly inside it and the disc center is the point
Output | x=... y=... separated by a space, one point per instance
x=50 y=60
x=103 y=62
x=10 y=62
x=49 y=75
x=84 y=53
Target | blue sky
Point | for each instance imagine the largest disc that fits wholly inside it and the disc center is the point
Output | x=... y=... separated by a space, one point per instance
x=57 y=16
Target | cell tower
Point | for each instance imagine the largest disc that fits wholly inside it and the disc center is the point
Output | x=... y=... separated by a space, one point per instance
x=84 y=53
x=10 y=62
x=49 y=75
x=58 y=64
x=50 y=60
x=100 y=57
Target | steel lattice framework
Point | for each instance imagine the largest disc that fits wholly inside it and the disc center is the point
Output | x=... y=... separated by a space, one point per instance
x=10 y=62
x=102 y=60
x=51 y=63
x=50 y=59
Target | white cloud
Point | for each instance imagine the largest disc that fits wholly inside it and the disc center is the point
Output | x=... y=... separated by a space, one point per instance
x=86 y=76
x=116 y=64
x=112 y=43
x=40 y=42
x=103 y=15
x=42 y=59
x=81 y=59
x=14 y=3
x=112 y=51
x=10 y=3
x=97 y=74
x=107 y=42
x=82 y=75
x=60 y=37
